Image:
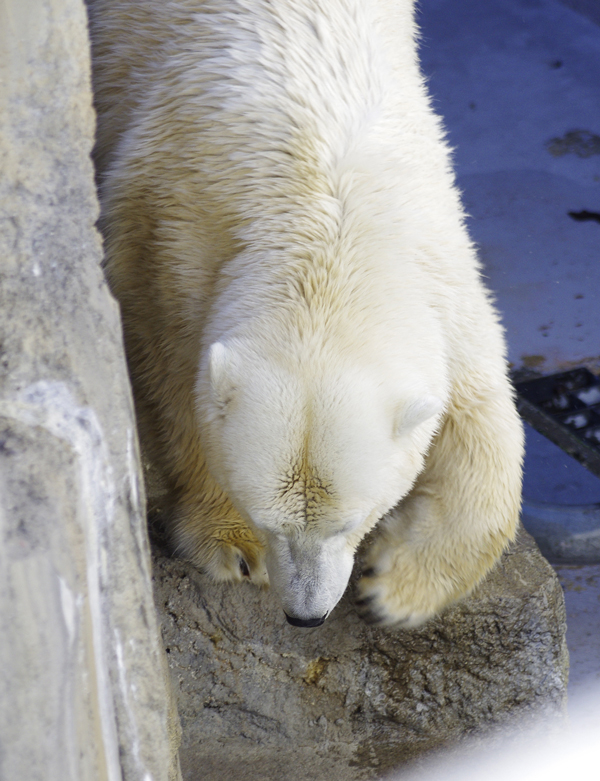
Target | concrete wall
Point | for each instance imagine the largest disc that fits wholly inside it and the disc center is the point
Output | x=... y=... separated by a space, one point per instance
x=83 y=694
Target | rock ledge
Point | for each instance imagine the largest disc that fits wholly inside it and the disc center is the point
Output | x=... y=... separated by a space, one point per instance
x=260 y=698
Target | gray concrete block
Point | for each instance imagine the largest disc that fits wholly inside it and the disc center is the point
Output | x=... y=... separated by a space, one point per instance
x=83 y=693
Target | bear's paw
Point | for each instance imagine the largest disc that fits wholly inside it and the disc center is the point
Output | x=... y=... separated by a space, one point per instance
x=238 y=560
x=400 y=587
x=226 y=551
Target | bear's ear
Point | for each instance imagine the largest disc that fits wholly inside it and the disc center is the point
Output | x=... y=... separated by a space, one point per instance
x=417 y=412
x=221 y=375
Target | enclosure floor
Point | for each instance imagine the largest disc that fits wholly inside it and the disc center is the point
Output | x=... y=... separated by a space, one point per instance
x=512 y=79
x=581 y=585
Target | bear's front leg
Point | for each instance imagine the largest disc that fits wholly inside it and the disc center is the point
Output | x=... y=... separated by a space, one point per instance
x=446 y=535
x=213 y=537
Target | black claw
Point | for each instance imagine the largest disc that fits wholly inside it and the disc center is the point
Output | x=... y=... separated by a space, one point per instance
x=370 y=615
x=371 y=618
x=244 y=569
x=369 y=572
x=364 y=601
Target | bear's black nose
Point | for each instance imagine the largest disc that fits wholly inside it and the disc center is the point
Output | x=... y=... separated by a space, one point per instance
x=305 y=621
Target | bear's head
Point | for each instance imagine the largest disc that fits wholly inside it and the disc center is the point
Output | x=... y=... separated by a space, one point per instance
x=312 y=453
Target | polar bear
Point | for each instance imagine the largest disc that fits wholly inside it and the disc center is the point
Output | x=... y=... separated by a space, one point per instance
x=312 y=350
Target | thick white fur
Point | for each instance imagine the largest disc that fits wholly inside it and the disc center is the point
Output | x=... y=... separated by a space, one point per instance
x=310 y=343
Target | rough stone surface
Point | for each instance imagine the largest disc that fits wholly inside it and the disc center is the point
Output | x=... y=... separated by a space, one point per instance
x=83 y=690
x=258 y=698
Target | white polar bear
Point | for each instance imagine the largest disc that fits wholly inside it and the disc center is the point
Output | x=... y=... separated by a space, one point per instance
x=311 y=347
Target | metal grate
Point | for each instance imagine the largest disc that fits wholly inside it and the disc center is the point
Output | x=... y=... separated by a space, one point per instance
x=565 y=408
